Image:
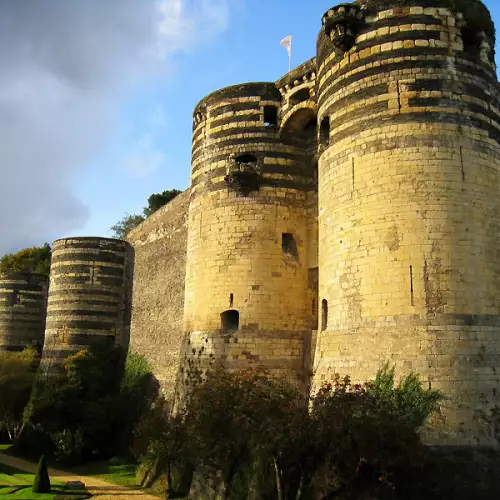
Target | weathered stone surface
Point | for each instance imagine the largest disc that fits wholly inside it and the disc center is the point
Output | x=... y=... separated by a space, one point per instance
x=89 y=296
x=158 y=291
x=344 y=216
x=23 y=305
x=409 y=212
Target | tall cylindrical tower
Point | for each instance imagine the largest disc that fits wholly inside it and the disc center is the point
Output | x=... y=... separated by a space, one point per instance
x=89 y=298
x=409 y=170
x=23 y=305
x=247 y=274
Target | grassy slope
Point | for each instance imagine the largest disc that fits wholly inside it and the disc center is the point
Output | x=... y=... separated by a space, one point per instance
x=115 y=471
x=17 y=484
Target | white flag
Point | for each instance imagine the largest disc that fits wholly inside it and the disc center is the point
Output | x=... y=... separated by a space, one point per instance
x=287 y=42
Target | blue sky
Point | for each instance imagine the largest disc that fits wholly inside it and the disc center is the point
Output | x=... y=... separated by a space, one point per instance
x=248 y=50
x=132 y=135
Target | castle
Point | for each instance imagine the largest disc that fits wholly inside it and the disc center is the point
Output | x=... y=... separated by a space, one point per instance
x=346 y=215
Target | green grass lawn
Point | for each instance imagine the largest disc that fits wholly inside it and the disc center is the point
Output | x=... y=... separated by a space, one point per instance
x=4 y=447
x=115 y=471
x=17 y=484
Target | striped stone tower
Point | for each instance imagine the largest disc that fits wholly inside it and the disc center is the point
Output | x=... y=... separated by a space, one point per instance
x=23 y=303
x=246 y=299
x=409 y=206
x=89 y=299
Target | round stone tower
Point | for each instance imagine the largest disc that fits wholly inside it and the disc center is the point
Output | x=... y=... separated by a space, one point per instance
x=409 y=171
x=89 y=297
x=23 y=304
x=247 y=275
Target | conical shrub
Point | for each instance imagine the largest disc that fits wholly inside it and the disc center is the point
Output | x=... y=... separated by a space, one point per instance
x=42 y=481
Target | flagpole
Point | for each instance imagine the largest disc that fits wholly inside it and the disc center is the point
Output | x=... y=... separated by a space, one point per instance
x=290 y=56
x=287 y=43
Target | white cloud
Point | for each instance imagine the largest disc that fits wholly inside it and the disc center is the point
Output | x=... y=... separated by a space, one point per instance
x=66 y=69
x=188 y=22
x=145 y=158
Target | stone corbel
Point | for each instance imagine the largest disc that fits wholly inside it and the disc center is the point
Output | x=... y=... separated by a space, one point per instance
x=243 y=176
x=342 y=25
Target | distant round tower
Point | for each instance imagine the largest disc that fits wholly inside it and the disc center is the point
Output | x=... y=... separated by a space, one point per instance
x=89 y=298
x=23 y=303
x=247 y=274
x=409 y=206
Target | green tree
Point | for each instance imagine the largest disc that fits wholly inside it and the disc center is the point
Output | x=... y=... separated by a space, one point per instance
x=32 y=260
x=125 y=225
x=90 y=408
x=157 y=200
x=17 y=371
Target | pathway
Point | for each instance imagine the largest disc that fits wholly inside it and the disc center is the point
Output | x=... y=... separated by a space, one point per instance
x=99 y=489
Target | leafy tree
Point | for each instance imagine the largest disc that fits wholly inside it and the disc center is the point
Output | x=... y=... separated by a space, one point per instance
x=32 y=260
x=157 y=200
x=125 y=225
x=17 y=371
x=90 y=409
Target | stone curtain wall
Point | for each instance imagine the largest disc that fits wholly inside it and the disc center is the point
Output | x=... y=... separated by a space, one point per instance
x=409 y=210
x=23 y=303
x=236 y=260
x=158 y=291
x=89 y=296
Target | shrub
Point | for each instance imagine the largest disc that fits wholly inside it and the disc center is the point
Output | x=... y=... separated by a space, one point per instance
x=41 y=483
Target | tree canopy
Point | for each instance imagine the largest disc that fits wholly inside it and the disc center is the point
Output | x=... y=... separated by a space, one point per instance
x=30 y=260
x=155 y=202
x=125 y=225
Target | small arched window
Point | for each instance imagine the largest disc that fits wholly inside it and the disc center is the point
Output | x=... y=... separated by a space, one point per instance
x=324 y=314
x=230 y=321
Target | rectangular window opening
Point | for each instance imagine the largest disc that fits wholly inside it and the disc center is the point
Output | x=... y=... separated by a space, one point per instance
x=289 y=246
x=270 y=116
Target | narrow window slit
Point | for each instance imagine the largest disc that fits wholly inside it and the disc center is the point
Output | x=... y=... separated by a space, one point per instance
x=462 y=165
x=231 y=300
x=324 y=131
x=324 y=314
x=352 y=192
x=411 y=285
